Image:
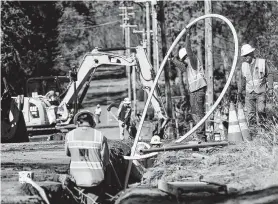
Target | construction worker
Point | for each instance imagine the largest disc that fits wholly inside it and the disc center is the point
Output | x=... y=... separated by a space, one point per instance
x=53 y=97
x=89 y=154
x=187 y=62
x=98 y=113
x=155 y=142
x=254 y=78
x=124 y=116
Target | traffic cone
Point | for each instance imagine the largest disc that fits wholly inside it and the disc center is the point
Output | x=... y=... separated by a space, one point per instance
x=243 y=123
x=234 y=133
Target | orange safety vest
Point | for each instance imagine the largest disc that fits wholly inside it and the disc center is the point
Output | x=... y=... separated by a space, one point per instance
x=255 y=81
x=86 y=148
x=196 y=78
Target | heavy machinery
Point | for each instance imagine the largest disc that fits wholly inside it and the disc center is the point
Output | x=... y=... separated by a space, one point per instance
x=13 y=127
x=42 y=98
x=40 y=111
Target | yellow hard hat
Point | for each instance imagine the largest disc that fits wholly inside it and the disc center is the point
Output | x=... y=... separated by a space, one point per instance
x=182 y=53
x=246 y=49
x=155 y=140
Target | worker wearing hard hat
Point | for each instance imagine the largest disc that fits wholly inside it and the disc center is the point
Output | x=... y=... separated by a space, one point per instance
x=124 y=116
x=255 y=74
x=89 y=153
x=155 y=142
x=98 y=113
x=188 y=62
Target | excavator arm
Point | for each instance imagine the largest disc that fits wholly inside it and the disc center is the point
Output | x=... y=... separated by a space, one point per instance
x=96 y=58
x=90 y=63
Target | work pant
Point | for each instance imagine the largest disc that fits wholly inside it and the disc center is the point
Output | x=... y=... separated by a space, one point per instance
x=122 y=129
x=197 y=103
x=255 y=103
x=97 y=118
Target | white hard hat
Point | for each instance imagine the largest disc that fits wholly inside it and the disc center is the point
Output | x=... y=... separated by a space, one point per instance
x=98 y=105
x=182 y=53
x=140 y=146
x=127 y=101
x=84 y=115
x=246 y=49
x=155 y=140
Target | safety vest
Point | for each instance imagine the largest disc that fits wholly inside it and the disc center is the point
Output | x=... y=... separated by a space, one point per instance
x=85 y=145
x=255 y=81
x=196 y=78
x=124 y=112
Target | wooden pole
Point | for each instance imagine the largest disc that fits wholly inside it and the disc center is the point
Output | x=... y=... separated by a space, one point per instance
x=134 y=91
x=208 y=59
x=166 y=68
x=169 y=105
x=148 y=35
x=148 y=30
x=129 y=68
x=155 y=38
x=127 y=26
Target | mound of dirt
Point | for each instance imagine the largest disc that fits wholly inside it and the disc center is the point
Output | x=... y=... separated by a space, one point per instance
x=242 y=167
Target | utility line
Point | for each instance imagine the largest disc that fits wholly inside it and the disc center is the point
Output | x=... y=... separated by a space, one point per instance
x=94 y=26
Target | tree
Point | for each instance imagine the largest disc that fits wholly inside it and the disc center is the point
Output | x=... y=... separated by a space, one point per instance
x=83 y=26
x=28 y=34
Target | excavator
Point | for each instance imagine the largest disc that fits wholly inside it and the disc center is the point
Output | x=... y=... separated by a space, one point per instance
x=13 y=127
x=56 y=111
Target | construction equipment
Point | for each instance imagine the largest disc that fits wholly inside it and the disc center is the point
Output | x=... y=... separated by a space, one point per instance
x=50 y=111
x=13 y=127
x=42 y=97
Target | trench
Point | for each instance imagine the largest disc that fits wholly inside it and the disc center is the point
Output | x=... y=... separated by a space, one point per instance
x=56 y=193
x=155 y=196
x=138 y=195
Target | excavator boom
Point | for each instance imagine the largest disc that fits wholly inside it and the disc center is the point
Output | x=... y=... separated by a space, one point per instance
x=95 y=59
x=90 y=62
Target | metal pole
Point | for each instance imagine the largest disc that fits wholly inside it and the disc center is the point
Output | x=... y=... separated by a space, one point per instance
x=208 y=60
x=180 y=147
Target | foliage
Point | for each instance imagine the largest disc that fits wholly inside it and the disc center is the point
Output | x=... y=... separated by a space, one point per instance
x=28 y=40
x=83 y=26
x=42 y=38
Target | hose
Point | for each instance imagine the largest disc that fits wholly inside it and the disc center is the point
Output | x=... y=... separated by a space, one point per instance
x=39 y=189
x=159 y=73
x=229 y=78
